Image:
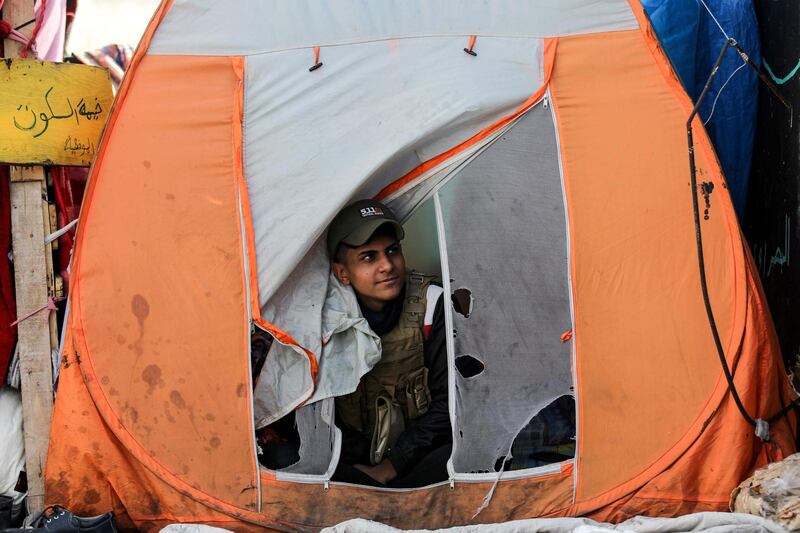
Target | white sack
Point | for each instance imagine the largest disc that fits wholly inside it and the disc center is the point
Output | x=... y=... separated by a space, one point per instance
x=12 y=446
x=772 y=492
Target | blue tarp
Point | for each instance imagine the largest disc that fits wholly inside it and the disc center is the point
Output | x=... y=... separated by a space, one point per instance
x=692 y=40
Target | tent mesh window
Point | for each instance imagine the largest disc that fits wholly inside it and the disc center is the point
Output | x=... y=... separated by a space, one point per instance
x=317 y=438
x=504 y=228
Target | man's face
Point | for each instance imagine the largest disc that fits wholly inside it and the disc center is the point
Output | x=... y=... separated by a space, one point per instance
x=376 y=270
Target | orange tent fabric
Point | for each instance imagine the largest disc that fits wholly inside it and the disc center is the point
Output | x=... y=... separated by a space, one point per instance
x=154 y=418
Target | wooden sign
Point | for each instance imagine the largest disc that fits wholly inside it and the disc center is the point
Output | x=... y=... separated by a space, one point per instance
x=51 y=113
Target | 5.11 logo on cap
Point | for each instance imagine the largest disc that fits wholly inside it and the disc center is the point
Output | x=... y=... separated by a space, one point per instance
x=371 y=212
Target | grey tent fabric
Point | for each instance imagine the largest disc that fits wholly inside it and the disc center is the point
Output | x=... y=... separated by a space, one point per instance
x=314 y=142
x=274 y=25
x=506 y=243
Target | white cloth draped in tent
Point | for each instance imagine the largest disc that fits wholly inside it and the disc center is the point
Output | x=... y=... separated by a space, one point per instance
x=349 y=350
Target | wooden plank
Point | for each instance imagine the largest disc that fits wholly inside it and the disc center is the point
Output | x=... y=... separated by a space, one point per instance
x=16 y=13
x=27 y=174
x=34 y=334
x=52 y=113
x=30 y=273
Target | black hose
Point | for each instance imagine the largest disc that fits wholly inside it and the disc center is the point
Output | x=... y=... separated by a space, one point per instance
x=699 y=239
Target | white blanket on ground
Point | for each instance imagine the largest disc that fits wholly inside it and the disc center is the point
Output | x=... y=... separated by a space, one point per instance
x=701 y=522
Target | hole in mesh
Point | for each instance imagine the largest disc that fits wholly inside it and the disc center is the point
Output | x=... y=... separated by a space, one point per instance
x=548 y=437
x=462 y=301
x=498 y=464
x=468 y=366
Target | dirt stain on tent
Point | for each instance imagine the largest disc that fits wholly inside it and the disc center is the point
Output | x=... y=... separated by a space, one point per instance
x=91 y=497
x=152 y=376
x=177 y=400
x=59 y=490
x=141 y=310
x=153 y=506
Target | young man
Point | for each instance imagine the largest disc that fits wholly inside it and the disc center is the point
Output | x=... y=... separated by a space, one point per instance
x=396 y=425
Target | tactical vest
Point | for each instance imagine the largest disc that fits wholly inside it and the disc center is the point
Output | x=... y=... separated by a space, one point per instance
x=396 y=389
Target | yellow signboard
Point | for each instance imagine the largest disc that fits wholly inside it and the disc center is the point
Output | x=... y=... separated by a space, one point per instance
x=51 y=113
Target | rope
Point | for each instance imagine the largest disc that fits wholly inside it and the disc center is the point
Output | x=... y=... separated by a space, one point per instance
x=6 y=31
x=51 y=305
x=727 y=38
x=56 y=234
x=489 y=495
x=38 y=26
x=714 y=106
x=715 y=19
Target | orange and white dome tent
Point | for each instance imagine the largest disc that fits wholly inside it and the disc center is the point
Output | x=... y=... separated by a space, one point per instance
x=546 y=137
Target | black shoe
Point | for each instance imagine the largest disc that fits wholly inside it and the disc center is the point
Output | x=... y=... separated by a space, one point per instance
x=57 y=519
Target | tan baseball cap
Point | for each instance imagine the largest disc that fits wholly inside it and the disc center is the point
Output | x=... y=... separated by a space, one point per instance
x=355 y=224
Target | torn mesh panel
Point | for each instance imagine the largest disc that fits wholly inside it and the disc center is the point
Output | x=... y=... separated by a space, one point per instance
x=317 y=436
x=505 y=232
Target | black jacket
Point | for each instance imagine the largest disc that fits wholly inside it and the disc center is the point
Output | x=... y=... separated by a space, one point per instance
x=431 y=430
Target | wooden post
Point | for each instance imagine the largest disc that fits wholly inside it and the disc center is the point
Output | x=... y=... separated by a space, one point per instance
x=29 y=229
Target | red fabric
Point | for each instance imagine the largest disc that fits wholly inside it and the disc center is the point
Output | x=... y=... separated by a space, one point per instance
x=8 y=307
x=69 y=184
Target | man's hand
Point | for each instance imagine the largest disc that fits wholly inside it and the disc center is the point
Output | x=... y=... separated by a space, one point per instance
x=382 y=473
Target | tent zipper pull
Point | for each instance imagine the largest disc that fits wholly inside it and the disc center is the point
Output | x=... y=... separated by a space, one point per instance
x=546 y=103
x=469 y=47
x=317 y=62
